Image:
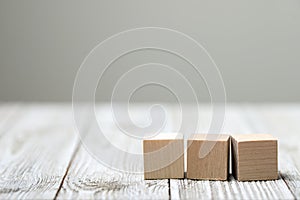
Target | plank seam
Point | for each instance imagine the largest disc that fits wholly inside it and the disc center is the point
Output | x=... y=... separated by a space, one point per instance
x=67 y=171
x=280 y=176
x=169 y=189
x=77 y=147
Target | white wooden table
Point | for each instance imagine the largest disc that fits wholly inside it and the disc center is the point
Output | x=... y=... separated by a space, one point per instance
x=41 y=157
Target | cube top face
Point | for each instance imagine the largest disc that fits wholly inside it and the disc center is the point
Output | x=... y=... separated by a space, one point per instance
x=255 y=159
x=166 y=136
x=209 y=137
x=214 y=166
x=163 y=158
x=253 y=137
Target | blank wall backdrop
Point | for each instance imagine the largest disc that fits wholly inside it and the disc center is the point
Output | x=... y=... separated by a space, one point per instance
x=256 y=43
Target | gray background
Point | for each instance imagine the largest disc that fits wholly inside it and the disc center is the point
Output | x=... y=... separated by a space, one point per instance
x=254 y=43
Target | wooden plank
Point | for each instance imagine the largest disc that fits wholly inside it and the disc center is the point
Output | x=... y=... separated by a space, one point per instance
x=88 y=178
x=283 y=122
x=6 y=111
x=290 y=174
x=232 y=189
x=9 y=115
x=35 y=152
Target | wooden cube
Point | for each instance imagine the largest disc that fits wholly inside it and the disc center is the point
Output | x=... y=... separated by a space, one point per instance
x=254 y=157
x=163 y=156
x=214 y=166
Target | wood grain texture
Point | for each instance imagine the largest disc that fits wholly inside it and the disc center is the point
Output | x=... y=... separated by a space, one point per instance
x=283 y=122
x=163 y=156
x=40 y=157
x=88 y=178
x=231 y=189
x=35 y=152
x=236 y=122
x=214 y=164
x=254 y=157
x=290 y=174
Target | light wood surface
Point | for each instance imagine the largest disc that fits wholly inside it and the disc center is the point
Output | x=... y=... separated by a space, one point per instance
x=211 y=166
x=251 y=119
x=164 y=156
x=254 y=157
x=41 y=157
x=35 y=152
x=87 y=178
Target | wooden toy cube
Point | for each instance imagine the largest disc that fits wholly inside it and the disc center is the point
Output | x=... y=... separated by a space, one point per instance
x=214 y=166
x=163 y=156
x=254 y=157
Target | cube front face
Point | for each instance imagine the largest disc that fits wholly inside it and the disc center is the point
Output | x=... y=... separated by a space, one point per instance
x=254 y=157
x=214 y=166
x=255 y=160
x=163 y=159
